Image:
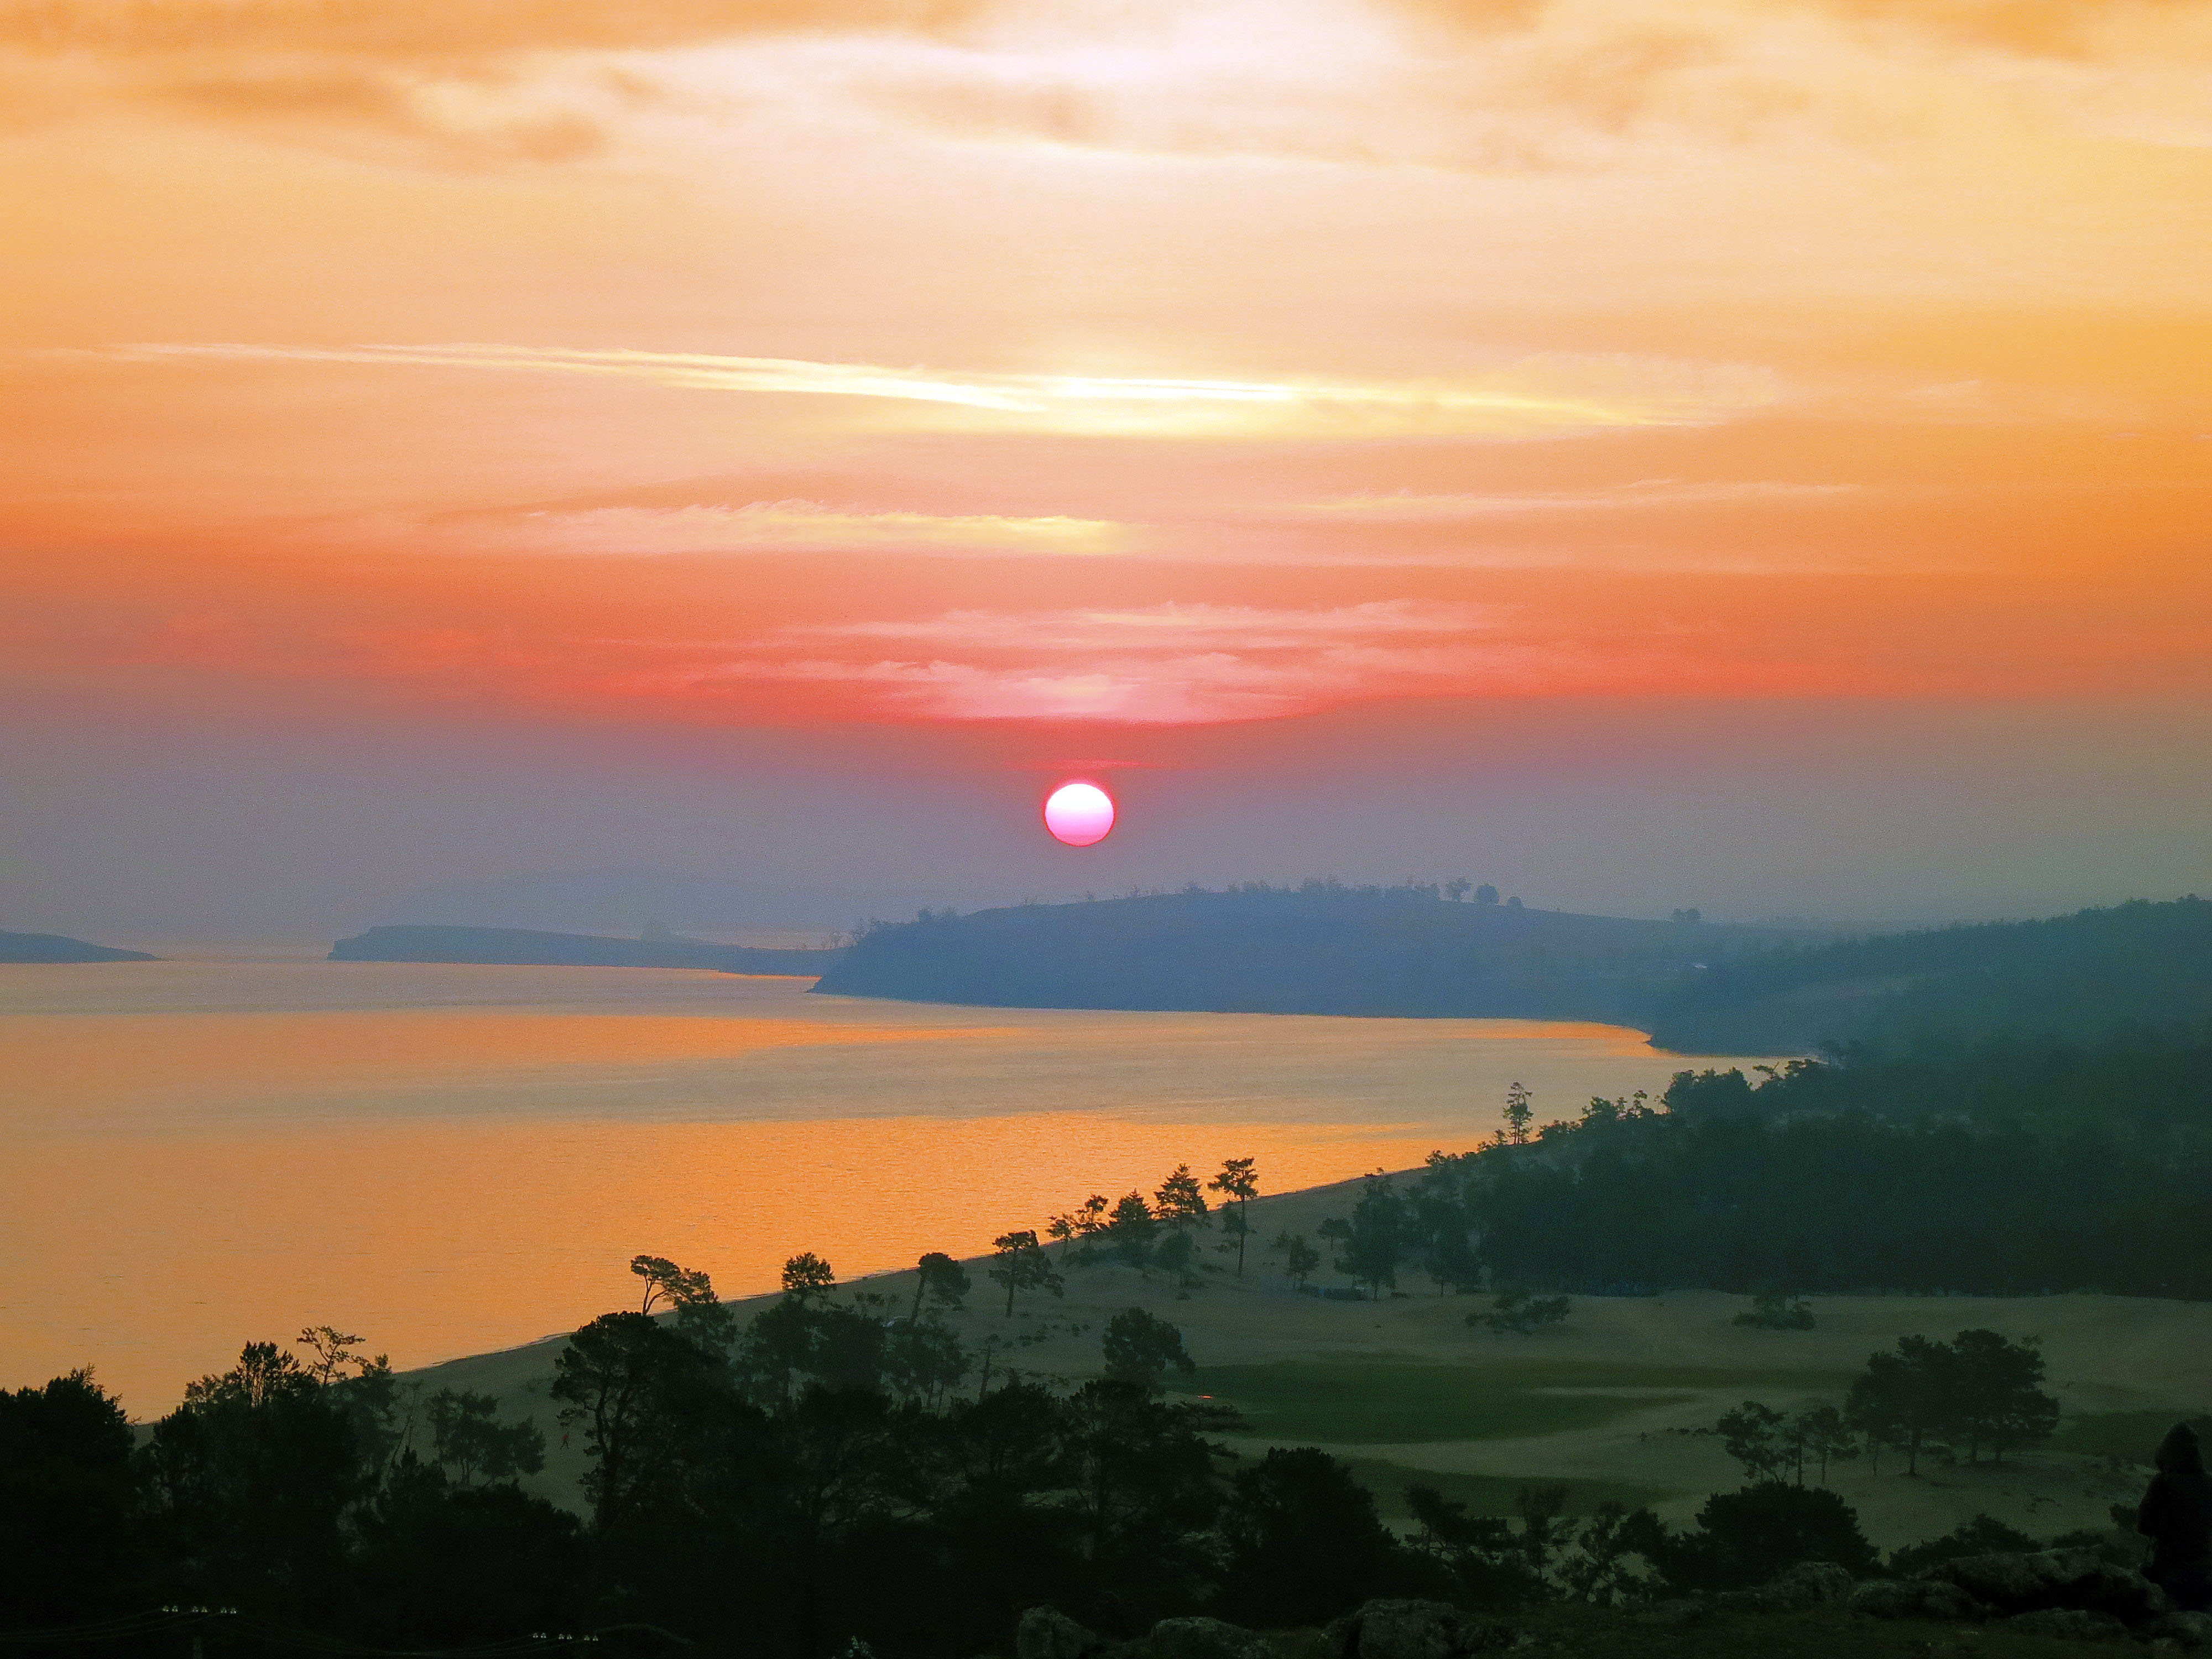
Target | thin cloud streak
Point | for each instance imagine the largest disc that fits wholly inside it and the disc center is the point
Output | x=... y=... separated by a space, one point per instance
x=1534 y=397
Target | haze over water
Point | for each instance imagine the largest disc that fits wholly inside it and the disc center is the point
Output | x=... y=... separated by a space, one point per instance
x=449 y=1159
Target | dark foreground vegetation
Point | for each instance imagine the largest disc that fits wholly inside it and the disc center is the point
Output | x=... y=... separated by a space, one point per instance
x=820 y=1476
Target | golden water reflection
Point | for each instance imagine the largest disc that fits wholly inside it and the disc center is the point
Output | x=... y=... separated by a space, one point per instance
x=453 y=1160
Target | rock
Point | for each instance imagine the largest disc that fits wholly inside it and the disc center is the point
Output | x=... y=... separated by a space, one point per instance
x=1415 y=1630
x=2079 y=1579
x=2009 y=1582
x=1207 y=1638
x=1046 y=1632
x=1913 y=1598
x=2076 y=1624
x=2188 y=1630
x=1807 y=1584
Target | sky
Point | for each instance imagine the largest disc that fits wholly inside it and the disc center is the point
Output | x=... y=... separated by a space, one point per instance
x=1751 y=453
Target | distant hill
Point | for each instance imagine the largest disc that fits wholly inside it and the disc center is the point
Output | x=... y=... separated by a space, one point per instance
x=54 y=947
x=1318 y=949
x=2074 y=976
x=613 y=901
x=524 y=947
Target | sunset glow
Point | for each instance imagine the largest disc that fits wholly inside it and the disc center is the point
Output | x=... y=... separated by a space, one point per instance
x=1033 y=379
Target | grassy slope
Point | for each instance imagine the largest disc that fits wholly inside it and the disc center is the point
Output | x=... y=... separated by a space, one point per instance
x=2124 y=1368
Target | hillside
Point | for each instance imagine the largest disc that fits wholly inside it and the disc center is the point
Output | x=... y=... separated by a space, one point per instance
x=1319 y=949
x=56 y=947
x=2071 y=976
x=518 y=946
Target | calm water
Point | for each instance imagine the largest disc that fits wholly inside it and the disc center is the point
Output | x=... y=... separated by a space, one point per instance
x=452 y=1159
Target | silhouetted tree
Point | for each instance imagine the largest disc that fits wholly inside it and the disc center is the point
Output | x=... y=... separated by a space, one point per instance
x=70 y=1544
x=807 y=1274
x=1520 y=1113
x=639 y=1392
x=1179 y=1200
x=1238 y=1183
x=470 y=1443
x=1020 y=1264
x=1141 y=1348
x=1302 y=1543
x=1131 y=1230
x=941 y=1280
x=1300 y=1259
x=1372 y=1243
x=248 y=1480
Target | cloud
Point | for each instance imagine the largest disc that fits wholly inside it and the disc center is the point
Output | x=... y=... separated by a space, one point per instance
x=1541 y=396
x=434 y=31
x=1642 y=496
x=786 y=526
x=1171 y=626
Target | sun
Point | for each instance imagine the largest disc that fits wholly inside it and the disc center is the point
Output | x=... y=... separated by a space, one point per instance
x=1080 y=814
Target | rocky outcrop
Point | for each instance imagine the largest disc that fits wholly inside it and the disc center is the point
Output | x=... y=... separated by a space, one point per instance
x=1048 y=1633
x=2074 y=1593
x=1807 y=1584
x=1416 y=1630
x=1207 y=1638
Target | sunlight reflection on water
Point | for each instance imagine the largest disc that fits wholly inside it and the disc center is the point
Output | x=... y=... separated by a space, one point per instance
x=452 y=1159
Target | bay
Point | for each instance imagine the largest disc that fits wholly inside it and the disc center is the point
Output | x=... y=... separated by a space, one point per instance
x=199 y=1153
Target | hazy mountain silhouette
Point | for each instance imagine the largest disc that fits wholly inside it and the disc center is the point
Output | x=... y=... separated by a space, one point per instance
x=525 y=947
x=625 y=900
x=56 y=947
x=1318 y=949
x=2078 y=976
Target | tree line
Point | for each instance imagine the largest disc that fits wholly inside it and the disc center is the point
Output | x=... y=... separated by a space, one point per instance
x=789 y=1484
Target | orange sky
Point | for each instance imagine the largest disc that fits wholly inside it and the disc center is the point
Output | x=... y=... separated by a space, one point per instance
x=1126 y=363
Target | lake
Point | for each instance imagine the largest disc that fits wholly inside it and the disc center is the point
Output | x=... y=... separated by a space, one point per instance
x=450 y=1159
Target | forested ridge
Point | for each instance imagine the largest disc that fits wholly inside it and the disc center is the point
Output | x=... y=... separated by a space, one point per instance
x=1994 y=1167
x=1425 y=950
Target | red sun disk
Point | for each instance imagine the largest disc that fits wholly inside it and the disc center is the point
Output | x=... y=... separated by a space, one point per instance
x=1078 y=814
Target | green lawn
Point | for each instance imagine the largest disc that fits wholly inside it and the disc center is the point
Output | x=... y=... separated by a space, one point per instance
x=1351 y=1402
x=1486 y=1494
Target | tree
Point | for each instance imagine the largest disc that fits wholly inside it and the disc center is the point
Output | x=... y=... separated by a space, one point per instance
x=666 y=1282
x=1179 y=1199
x=940 y=1278
x=1753 y=1435
x=1904 y=1399
x=1519 y=1313
x=639 y=1391
x=1131 y=1230
x=1299 y=1257
x=1777 y=1310
x=469 y=1442
x=700 y=1315
x=1520 y=1113
x=1174 y=1255
x=1456 y=889
x=1995 y=1400
x=807 y=1274
x=1239 y=1183
x=1373 y=1242
x=250 y=1478
x=1819 y=1435
x=1020 y=1264
x=1746 y=1538
x=1141 y=1348
x=69 y=1546
x=1485 y=894
x=1301 y=1542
